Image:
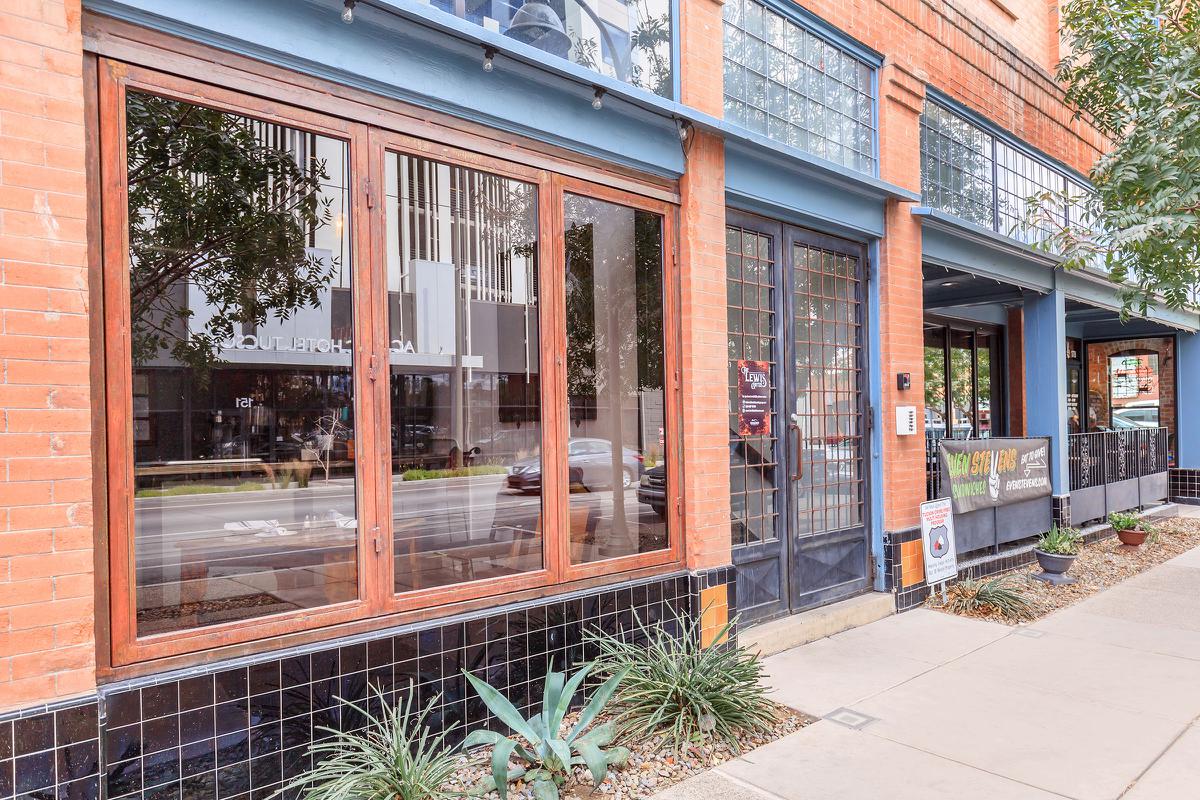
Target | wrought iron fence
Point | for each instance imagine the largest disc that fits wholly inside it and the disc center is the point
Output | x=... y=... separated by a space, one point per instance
x=1103 y=457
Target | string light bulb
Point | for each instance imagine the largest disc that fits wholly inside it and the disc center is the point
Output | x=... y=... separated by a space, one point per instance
x=348 y=11
x=598 y=99
x=489 y=53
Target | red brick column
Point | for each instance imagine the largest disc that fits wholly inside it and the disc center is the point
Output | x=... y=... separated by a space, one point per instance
x=901 y=302
x=47 y=647
x=702 y=289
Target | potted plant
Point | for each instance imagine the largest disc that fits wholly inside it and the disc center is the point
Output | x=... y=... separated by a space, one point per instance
x=1056 y=551
x=1129 y=527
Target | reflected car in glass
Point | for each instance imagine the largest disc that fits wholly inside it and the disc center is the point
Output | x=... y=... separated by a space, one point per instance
x=589 y=465
x=652 y=490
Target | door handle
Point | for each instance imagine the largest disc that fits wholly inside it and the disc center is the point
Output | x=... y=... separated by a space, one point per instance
x=798 y=474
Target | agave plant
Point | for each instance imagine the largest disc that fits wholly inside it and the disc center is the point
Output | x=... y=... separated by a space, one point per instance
x=1000 y=595
x=395 y=757
x=548 y=754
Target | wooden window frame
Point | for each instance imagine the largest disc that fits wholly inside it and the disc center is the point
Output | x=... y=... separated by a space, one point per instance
x=324 y=109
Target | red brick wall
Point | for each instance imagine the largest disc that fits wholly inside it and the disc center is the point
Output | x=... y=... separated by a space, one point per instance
x=992 y=68
x=47 y=645
x=702 y=261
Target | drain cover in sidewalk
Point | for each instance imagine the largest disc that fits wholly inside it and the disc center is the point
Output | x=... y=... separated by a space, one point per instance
x=850 y=718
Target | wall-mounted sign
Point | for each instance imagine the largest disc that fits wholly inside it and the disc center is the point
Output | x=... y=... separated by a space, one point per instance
x=937 y=541
x=985 y=473
x=754 y=398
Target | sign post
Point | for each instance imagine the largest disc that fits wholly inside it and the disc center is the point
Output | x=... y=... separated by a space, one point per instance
x=937 y=543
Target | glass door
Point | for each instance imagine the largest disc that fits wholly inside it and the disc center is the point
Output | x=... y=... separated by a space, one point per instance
x=830 y=552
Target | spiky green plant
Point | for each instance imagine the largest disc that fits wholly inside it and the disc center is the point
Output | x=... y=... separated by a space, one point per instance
x=996 y=595
x=548 y=754
x=677 y=688
x=395 y=757
x=1060 y=541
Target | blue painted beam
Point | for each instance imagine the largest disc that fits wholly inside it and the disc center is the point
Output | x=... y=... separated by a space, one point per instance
x=1187 y=392
x=1046 y=379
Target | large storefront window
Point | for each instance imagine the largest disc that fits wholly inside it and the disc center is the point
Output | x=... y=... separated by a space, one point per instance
x=629 y=40
x=615 y=371
x=1131 y=384
x=243 y=392
x=792 y=85
x=327 y=401
x=463 y=350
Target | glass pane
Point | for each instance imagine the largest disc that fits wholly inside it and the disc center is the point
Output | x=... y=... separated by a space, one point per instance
x=615 y=369
x=984 y=380
x=935 y=382
x=962 y=403
x=466 y=428
x=243 y=397
x=629 y=41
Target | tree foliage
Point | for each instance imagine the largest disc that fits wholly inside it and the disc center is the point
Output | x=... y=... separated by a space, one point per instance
x=1133 y=69
x=222 y=205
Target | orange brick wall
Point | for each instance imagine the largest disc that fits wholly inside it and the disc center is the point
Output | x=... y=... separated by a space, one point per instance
x=702 y=261
x=47 y=645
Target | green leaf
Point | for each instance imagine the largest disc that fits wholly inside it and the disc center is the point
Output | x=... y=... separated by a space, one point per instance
x=562 y=753
x=550 y=696
x=500 y=756
x=595 y=758
x=564 y=702
x=498 y=704
x=601 y=734
x=544 y=790
x=618 y=756
x=480 y=738
x=598 y=701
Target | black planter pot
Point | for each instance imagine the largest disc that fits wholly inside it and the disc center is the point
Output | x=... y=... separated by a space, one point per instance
x=1054 y=567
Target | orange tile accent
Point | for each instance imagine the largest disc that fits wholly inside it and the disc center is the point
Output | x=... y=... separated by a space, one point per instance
x=912 y=564
x=714 y=602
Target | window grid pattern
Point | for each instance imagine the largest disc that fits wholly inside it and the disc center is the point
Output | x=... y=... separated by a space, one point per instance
x=978 y=177
x=828 y=336
x=787 y=83
x=753 y=460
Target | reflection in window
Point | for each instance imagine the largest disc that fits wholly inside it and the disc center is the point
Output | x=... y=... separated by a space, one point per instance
x=629 y=40
x=465 y=410
x=616 y=462
x=935 y=382
x=789 y=84
x=243 y=398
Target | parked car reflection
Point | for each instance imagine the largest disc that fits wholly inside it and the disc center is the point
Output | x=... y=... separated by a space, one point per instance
x=589 y=465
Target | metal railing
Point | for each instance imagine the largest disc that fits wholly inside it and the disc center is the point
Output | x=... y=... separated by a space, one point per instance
x=1103 y=457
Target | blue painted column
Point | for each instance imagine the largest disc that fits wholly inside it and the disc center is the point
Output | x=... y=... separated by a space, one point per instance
x=1187 y=397
x=1046 y=379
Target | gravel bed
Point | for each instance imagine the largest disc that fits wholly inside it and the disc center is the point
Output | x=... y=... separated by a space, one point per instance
x=653 y=764
x=1099 y=566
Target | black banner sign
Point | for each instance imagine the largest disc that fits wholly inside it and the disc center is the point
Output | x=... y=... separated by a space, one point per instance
x=984 y=473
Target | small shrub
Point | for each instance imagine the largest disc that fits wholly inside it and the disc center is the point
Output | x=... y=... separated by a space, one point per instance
x=996 y=595
x=550 y=754
x=1062 y=541
x=683 y=691
x=1124 y=521
x=456 y=472
x=395 y=757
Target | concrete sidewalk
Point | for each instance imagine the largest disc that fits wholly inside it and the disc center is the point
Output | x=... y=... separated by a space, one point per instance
x=1100 y=700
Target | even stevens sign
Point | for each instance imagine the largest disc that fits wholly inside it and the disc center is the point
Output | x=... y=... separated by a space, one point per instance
x=984 y=473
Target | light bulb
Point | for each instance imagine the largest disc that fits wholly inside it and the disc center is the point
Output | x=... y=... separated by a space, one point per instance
x=488 y=54
x=348 y=12
x=598 y=99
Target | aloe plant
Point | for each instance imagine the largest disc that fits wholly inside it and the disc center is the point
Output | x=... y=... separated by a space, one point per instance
x=549 y=754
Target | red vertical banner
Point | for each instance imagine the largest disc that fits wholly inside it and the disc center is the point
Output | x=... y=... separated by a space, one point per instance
x=754 y=398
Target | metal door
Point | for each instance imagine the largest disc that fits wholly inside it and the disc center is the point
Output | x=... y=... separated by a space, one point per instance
x=798 y=493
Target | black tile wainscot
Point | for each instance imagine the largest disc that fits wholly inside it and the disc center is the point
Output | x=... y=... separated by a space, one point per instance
x=236 y=730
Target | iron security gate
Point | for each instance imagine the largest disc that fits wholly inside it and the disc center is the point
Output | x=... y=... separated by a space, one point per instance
x=798 y=492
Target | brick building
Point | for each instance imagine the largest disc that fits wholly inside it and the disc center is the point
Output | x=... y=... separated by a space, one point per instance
x=327 y=349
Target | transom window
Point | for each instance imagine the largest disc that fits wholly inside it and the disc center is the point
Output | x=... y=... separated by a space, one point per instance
x=979 y=177
x=791 y=85
x=347 y=377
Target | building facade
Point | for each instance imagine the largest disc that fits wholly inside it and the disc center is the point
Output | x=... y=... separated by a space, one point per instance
x=370 y=342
